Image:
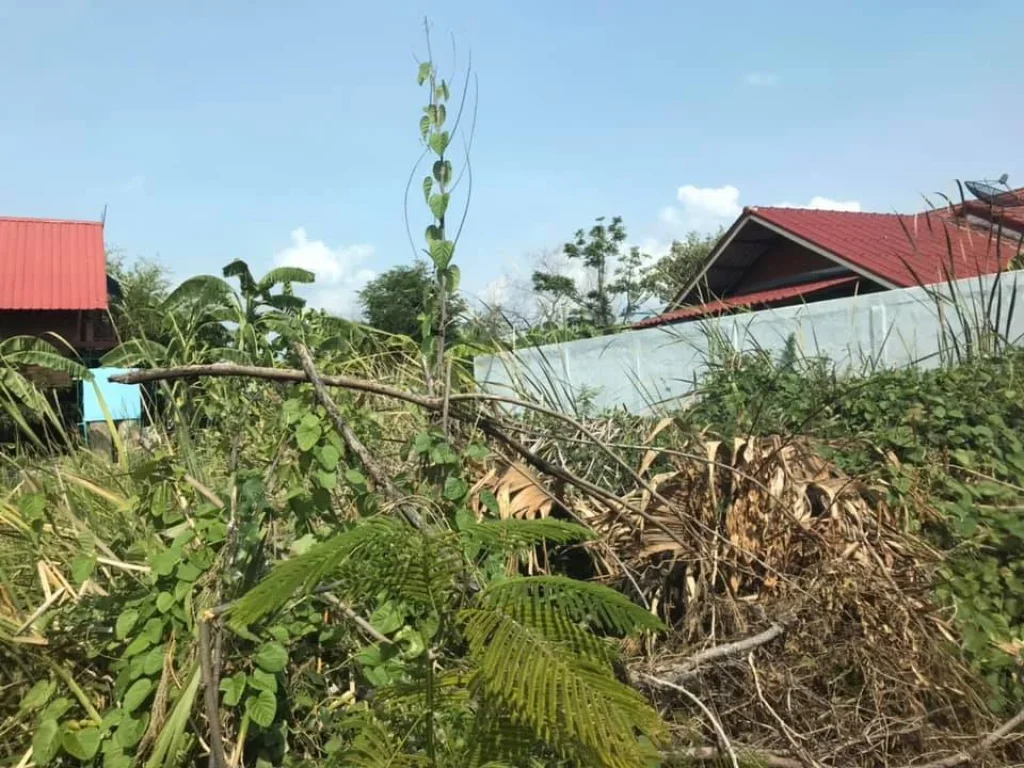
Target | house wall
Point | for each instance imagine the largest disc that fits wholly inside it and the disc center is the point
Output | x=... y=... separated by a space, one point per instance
x=784 y=259
x=657 y=369
x=85 y=331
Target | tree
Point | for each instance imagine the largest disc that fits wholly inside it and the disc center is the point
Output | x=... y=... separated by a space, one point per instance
x=397 y=300
x=673 y=271
x=615 y=285
x=137 y=305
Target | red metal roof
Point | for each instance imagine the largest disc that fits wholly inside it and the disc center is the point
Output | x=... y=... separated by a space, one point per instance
x=878 y=244
x=746 y=300
x=48 y=264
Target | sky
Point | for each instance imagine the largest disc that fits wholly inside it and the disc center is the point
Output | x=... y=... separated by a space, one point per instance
x=285 y=132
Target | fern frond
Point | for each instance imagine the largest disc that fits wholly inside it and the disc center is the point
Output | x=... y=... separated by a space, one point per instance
x=581 y=601
x=572 y=704
x=305 y=571
x=514 y=534
x=373 y=746
x=407 y=565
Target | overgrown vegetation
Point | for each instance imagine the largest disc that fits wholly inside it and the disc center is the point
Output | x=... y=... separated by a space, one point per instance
x=332 y=550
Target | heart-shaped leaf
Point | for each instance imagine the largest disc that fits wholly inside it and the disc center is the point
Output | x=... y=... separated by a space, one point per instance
x=83 y=744
x=137 y=694
x=45 y=743
x=272 y=657
x=262 y=708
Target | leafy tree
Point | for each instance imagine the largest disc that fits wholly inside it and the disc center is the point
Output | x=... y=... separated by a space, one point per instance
x=673 y=271
x=397 y=300
x=137 y=308
x=615 y=284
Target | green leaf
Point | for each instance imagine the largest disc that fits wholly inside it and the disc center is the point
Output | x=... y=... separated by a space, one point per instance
x=439 y=142
x=432 y=233
x=154 y=660
x=425 y=71
x=82 y=567
x=137 y=646
x=263 y=681
x=137 y=694
x=164 y=601
x=308 y=432
x=455 y=488
x=441 y=91
x=356 y=479
x=55 y=709
x=327 y=480
x=272 y=657
x=413 y=644
x=262 y=708
x=188 y=572
x=233 y=688
x=441 y=253
x=442 y=171
x=163 y=564
x=130 y=732
x=387 y=618
x=490 y=501
x=153 y=631
x=115 y=758
x=423 y=442
x=424 y=126
x=439 y=205
x=45 y=742
x=428 y=187
x=454 y=277
x=83 y=744
x=477 y=451
x=38 y=695
x=329 y=457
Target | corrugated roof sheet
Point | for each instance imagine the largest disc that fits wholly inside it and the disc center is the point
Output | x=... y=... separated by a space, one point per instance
x=757 y=298
x=877 y=243
x=50 y=264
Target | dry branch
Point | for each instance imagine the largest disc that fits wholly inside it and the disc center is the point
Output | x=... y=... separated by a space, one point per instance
x=673 y=675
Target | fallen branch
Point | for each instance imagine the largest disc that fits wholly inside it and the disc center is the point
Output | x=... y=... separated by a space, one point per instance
x=714 y=754
x=352 y=441
x=690 y=666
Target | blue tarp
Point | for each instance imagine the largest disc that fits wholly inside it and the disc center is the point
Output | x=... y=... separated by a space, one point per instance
x=124 y=401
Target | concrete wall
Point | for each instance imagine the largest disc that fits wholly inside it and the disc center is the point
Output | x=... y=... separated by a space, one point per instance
x=657 y=368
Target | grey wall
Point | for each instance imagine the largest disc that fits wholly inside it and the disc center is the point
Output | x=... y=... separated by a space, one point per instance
x=656 y=368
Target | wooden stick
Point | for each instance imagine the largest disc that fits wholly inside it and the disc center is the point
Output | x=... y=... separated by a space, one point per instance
x=689 y=666
x=726 y=745
x=217 y=756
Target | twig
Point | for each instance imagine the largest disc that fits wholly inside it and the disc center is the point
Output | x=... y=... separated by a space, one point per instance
x=376 y=472
x=723 y=740
x=689 y=666
x=798 y=749
x=217 y=757
x=38 y=612
x=962 y=758
x=120 y=564
x=713 y=754
x=362 y=623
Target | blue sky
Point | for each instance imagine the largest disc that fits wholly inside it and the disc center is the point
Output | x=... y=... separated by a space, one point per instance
x=285 y=132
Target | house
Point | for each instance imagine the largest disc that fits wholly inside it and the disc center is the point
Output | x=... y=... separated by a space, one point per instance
x=53 y=282
x=773 y=257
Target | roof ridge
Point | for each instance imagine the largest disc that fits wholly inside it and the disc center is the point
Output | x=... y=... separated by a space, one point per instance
x=38 y=220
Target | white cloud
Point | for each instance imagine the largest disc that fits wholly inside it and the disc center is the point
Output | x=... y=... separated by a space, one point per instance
x=826 y=204
x=702 y=208
x=340 y=273
x=761 y=79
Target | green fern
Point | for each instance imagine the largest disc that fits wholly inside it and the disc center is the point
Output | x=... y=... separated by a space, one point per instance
x=305 y=571
x=571 y=702
x=514 y=534
x=598 y=606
